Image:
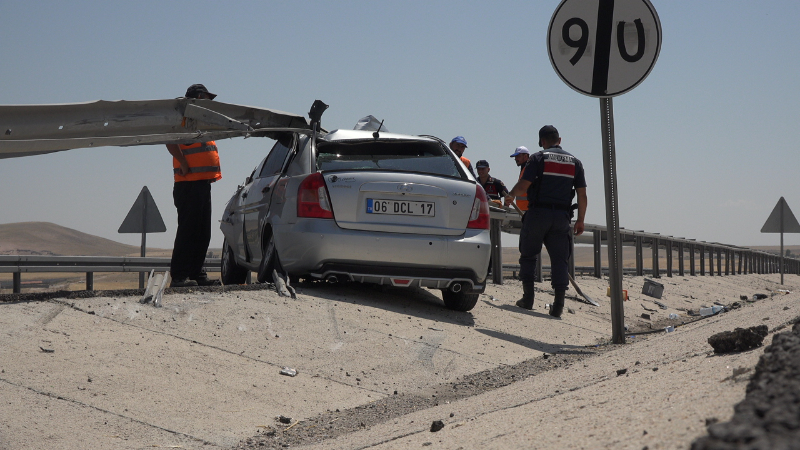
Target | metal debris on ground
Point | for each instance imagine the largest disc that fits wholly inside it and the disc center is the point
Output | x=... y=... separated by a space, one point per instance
x=282 y=286
x=648 y=309
x=645 y=316
x=621 y=371
x=711 y=311
x=284 y=419
x=288 y=371
x=47 y=350
x=660 y=305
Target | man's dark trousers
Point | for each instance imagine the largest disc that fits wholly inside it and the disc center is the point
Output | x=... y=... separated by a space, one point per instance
x=550 y=227
x=193 y=201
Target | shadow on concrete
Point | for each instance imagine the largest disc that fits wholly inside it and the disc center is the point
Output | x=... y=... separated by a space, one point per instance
x=533 y=344
x=417 y=302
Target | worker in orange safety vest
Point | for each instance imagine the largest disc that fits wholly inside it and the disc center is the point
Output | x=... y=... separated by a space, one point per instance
x=521 y=156
x=195 y=167
x=458 y=145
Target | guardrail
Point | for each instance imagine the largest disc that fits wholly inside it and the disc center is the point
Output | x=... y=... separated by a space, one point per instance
x=730 y=259
x=737 y=260
x=19 y=264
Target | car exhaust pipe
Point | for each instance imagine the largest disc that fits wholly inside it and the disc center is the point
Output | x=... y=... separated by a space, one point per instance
x=455 y=287
x=332 y=279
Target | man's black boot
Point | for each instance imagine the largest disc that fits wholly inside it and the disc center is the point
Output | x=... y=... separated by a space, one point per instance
x=526 y=302
x=558 y=304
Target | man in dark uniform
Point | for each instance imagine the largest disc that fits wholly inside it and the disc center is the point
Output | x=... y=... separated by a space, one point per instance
x=494 y=188
x=551 y=179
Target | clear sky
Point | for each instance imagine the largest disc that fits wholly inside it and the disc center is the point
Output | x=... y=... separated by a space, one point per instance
x=705 y=145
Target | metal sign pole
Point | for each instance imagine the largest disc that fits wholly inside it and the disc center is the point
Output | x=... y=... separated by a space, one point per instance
x=781 y=244
x=612 y=222
x=144 y=241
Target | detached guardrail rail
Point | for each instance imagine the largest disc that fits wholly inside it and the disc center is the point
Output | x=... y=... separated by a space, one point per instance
x=19 y=264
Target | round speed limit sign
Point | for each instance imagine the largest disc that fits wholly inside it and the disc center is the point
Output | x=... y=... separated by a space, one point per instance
x=604 y=48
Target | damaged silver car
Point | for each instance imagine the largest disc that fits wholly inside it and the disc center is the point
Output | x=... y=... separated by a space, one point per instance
x=361 y=206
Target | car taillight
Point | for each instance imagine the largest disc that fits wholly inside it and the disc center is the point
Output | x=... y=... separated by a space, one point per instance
x=479 y=216
x=313 y=199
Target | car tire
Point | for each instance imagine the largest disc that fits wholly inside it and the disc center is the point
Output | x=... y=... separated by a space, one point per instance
x=459 y=301
x=269 y=260
x=231 y=273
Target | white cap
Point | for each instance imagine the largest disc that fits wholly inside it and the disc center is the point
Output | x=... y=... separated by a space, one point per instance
x=521 y=151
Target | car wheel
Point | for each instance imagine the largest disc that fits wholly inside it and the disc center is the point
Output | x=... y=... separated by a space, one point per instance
x=269 y=260
x=232 y=273
x=459 y=301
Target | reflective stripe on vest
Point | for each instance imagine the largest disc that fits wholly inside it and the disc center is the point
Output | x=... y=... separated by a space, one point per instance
x=203 y=159
x=522 y=201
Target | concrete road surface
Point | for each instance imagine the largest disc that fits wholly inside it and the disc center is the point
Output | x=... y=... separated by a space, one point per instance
x=203 y=371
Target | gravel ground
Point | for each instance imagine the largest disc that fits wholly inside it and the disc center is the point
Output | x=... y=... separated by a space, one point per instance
x=337 y=423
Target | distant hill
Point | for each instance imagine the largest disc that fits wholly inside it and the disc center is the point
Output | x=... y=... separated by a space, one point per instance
x=45 y=238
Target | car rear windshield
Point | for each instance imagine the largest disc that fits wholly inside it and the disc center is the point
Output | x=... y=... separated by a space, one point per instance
x=408 y=156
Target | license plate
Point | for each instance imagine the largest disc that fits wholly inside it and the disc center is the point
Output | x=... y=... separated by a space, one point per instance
x=404 y=208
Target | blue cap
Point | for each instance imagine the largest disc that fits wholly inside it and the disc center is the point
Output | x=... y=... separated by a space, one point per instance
x=460 y=140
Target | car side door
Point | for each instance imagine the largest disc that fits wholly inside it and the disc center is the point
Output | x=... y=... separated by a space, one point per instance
x=259 y=192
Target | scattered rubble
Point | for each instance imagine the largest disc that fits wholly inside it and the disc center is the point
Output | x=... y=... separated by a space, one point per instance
x=436 y=426
x=768 y=415
x=738 y=340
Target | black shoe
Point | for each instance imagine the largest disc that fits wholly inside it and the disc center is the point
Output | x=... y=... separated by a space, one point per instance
x=182 y=282
x=205 y=281
x=526 y=302
x=522 y=303
x=558 y=304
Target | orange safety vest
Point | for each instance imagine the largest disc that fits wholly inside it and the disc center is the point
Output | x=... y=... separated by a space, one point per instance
x=203 y=159
x=522 y=202
x=466 y=162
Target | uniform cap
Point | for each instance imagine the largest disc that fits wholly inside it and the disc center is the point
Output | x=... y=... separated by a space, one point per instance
x=521 y=151
x=196 y=89
x=482 y=163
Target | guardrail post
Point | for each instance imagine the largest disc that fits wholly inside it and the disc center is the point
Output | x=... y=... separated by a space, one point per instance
x=719 y=261
x=89 y=281
x=711 y=261
x=597 y=240
x=571 y=261
x=17 y=283
x=668 y=248
x=727 y=261
x=497 y=251
x=702 y=261
x=692 y=271
x=538 y=278
x=656 y=270
x=639 y=256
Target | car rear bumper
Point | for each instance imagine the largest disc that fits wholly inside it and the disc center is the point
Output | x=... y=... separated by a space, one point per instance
x=320 y=248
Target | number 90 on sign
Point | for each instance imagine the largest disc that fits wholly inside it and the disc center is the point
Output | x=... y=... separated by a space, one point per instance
x=604 y=48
